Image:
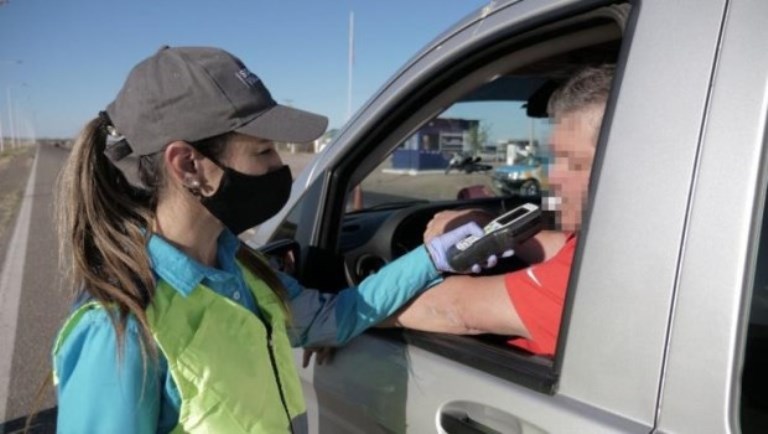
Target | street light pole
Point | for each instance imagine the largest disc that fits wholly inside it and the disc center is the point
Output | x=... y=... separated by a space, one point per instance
x=350 y=62
x=10 y=105
x=10 y=117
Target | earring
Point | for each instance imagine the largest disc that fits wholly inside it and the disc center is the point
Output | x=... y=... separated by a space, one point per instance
x=192 y=185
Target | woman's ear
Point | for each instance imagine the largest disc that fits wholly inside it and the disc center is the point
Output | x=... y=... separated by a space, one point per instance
x=191 y=170
x=183 y=166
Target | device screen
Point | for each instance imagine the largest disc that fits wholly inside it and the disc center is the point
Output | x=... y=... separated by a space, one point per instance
x=517 y=213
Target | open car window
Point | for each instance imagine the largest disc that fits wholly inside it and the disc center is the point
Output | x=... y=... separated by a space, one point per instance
x=494 y=112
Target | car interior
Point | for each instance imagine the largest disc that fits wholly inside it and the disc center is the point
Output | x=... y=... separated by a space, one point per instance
x=523 y=68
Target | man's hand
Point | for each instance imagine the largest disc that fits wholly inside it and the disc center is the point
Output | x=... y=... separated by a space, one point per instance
x=445 y=221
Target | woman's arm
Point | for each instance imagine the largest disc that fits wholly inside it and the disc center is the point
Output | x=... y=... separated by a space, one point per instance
x=99 y=392
x=333 y=319
x=320 y=319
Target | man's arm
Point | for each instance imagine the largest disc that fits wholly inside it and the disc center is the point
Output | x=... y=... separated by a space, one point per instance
x=462 y=305
x=472 y=305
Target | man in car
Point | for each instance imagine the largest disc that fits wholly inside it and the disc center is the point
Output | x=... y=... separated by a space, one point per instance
x=526 y=304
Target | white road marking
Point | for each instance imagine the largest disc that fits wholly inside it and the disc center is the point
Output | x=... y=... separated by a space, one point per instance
x=10 y=287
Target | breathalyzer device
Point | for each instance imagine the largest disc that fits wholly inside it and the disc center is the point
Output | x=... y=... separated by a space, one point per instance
x=500 y=235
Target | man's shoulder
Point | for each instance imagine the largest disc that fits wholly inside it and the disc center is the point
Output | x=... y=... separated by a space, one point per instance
x=555 y=268
x=543 y=247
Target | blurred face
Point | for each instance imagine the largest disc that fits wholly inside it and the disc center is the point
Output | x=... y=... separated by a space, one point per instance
x=573 y=147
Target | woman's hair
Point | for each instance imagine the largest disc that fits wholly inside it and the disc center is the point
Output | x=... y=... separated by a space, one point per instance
x=104 y=224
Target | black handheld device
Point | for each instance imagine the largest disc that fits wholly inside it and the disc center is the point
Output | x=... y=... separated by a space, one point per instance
x=500 y=235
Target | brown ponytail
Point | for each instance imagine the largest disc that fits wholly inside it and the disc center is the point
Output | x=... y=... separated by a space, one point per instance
x=103 y=225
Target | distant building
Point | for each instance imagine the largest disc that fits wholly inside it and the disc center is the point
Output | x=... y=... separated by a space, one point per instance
x=444 y=135
x=430 y=147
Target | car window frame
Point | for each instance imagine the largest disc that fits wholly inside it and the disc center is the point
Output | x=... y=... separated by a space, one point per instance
x=438 y=92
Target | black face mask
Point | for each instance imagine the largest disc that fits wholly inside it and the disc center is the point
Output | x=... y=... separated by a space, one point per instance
x=244 y=201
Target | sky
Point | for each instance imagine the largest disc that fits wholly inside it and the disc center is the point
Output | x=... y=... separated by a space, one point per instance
x=61 y=62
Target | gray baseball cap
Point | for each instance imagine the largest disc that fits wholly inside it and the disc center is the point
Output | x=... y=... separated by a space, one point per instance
x=193 y=93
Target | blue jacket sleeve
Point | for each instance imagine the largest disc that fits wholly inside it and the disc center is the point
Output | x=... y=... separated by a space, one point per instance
x=99 y=392
x=321 y=319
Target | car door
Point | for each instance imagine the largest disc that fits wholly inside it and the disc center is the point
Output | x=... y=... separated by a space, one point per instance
x=608 y=370
x=715 y=371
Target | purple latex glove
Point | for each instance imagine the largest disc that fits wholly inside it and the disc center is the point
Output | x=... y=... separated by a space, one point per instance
x=438 y=247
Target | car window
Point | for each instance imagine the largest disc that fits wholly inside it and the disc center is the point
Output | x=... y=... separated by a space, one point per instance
x=754 y=400
x=476 y=148
x=493 y=123
x=287 y=229
x=303 y=210
x=488 y=110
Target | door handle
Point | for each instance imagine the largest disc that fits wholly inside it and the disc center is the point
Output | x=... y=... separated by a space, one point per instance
x=462 y=423
x=465 y=417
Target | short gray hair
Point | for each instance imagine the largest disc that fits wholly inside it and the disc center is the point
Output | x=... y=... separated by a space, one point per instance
x=588 y=87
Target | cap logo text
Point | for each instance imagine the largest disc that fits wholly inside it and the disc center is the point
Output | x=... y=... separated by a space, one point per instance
x=247 y=77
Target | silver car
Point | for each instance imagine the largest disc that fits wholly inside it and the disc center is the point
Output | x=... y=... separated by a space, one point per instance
x=666 y=319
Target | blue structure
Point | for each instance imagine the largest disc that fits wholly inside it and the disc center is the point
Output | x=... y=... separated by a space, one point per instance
x=431 y=147
x=415 y=159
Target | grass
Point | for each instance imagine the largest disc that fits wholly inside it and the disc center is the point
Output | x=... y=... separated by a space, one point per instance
x=13 y=152
x=9 y=154
x=9 y=202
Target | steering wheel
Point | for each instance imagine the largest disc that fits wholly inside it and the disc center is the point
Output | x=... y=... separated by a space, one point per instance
x=399 y=233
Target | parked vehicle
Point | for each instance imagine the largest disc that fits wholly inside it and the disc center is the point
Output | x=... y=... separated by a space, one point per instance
x=524 y=178
x=665 y=323
x=466 y=163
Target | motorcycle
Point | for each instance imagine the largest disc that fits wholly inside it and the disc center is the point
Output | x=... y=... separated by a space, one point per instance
x=466 y=163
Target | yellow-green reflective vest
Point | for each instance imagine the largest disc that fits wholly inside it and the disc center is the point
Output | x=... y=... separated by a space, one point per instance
x=234 y=372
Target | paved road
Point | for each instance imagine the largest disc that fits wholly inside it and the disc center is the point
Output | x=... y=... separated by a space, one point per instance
x=31 y=288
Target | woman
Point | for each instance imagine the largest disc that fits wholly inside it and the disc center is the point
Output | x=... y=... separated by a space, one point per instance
x=177 y=326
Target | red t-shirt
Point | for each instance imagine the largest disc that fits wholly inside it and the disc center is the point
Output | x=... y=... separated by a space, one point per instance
x=538 y=294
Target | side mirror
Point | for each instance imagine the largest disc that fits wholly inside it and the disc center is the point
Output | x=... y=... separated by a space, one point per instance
x=283 y=254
